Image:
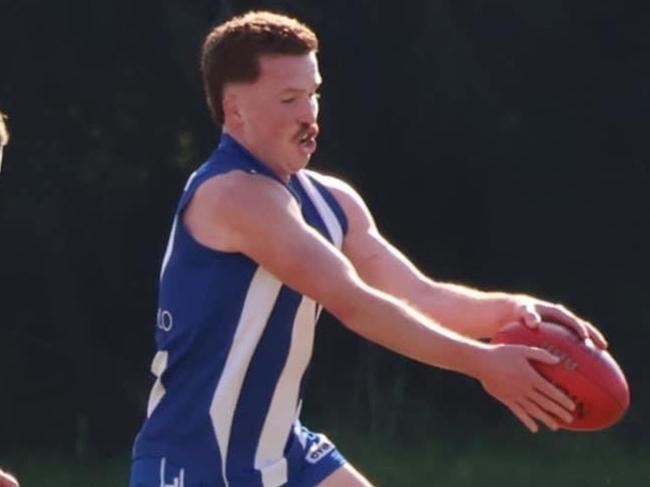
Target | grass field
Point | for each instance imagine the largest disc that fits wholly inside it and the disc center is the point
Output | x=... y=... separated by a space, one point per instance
x=504 y=458
x=61 y=470
x=505 y=461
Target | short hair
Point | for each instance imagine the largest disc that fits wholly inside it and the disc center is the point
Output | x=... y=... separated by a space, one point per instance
x=4 y=133
x=231 y=51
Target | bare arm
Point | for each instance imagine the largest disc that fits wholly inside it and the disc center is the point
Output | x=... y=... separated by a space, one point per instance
x=468 y=311
x=254 y=215
x=225 y=215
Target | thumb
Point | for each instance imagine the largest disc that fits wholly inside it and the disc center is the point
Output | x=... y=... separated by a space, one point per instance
x=530 y=316
x=541 y=355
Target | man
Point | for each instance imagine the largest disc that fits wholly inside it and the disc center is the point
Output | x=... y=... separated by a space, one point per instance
x=6 y=480
x=4 y=136
x=257 y=246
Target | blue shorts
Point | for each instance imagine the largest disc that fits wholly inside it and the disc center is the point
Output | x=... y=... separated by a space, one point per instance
x=321 y=458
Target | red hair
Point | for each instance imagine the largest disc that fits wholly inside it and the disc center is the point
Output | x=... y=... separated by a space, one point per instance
x=231 y=51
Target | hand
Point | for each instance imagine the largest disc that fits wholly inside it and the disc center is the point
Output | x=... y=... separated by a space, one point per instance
x=532 y=312
x=508 y=376
x=7 y=480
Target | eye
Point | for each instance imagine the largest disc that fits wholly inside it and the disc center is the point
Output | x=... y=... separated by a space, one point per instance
x=288 y=100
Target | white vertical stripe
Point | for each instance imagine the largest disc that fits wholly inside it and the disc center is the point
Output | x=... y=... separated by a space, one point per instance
x=159 y=363
x=172 y=234
x=326 y=213
x=258 y=304
x=168 y=250
x=282 y=411
x=298 y=431
x=275 y=474
x=158 y=366
x=162 y=472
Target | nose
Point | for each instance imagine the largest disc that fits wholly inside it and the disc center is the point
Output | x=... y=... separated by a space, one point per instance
x=309 y=111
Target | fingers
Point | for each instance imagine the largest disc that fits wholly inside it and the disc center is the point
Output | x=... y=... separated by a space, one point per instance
x=530 y=316
x=551 y=407
x=518 y=411
x=536 y=412
x=551 y=398
x=553 y=392
x=597 y=337
x=545 y=394
x=559 y=314
x=540 y=355
x=540 y=408
x=528 y=395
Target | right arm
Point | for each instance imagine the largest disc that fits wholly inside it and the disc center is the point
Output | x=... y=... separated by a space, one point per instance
x=225 y=215
x=280 y=241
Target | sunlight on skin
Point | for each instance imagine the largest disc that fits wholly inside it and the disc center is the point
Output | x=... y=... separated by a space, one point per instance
x=7 y=480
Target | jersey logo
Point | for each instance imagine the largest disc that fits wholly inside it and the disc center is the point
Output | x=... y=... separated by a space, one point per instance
x=319 y=450
x=164 y=320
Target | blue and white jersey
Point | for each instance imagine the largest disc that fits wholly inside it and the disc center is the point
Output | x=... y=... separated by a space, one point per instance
x=233 y=346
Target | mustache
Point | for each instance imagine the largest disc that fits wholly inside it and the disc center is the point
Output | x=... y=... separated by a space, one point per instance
x=310 y=130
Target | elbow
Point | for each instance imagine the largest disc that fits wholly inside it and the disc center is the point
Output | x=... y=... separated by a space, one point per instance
x=346 y=303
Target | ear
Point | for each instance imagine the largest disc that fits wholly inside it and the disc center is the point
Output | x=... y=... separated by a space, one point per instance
x=231 y=106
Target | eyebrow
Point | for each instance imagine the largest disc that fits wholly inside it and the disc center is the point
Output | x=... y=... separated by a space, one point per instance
x=299 y=90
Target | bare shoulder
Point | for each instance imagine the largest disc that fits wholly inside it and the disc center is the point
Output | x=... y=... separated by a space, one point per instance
x=224 y=204
x=239 y=189
x=350 y=200
x=338 y=187
x=257 y=216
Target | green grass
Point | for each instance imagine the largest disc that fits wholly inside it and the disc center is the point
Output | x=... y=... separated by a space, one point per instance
x=497 y=459
x=62 y=470
x=446 y=457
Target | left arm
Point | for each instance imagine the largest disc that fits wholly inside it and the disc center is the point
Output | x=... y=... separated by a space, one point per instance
x=471 y=312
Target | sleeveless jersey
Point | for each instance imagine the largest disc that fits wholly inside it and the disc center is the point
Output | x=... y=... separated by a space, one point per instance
x=233 y=345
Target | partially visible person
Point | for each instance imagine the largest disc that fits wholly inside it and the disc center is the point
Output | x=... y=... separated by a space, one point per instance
x=4 y=136
x=7 y=480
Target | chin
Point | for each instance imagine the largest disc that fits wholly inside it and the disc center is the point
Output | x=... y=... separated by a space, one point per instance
x=296 y=164
x=302 y=164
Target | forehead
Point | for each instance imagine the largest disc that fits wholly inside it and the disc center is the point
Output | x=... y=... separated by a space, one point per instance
x=295 y=70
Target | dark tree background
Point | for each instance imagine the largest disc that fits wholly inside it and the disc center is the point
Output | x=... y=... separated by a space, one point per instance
x=502 y=144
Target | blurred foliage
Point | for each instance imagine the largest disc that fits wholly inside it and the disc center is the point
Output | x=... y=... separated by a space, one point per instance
x=500 y=144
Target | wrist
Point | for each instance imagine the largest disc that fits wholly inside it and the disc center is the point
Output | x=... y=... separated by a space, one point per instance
x=502 y=309
x=474 y=358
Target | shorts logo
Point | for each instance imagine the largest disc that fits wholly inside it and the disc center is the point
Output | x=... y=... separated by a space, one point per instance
x=177 y=481
x=164 y=320
x=319 y=450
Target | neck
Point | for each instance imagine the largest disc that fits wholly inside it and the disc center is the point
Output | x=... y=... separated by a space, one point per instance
x=241 y=140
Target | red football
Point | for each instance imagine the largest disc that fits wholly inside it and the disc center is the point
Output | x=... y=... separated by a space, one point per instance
x=590 y=376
